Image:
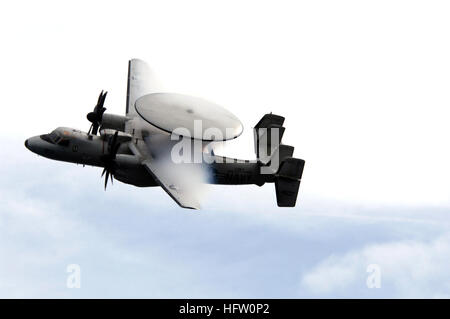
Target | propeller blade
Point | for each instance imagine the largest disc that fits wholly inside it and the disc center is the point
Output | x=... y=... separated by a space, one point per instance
x=103 y=99
x=100 y=98
x=114 y=139
x=94 y=128
x=108 y=159
x=114 y=145
x=95 y=117
x=106 y=179
x=114 y=151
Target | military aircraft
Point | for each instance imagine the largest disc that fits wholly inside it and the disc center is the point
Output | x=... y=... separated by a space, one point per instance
x=144 y=147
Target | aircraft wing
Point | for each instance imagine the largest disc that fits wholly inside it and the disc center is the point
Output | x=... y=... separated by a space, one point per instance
x=182 y=196
x=169 y=176
x=141 y=81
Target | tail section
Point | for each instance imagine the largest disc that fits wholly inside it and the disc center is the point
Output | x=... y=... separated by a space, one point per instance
x=276 y=159
x=287 y=181
x=268 y=134
x=284 y=151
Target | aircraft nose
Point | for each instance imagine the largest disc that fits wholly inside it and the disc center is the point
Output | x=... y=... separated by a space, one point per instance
x=33 y=144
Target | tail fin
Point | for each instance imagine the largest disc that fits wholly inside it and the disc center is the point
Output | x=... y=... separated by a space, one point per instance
x=276 y=158
x=270 y=126
x=287 y=181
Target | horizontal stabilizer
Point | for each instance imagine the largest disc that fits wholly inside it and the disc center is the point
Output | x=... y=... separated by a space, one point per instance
x=287 y=181
x=285 y=151
x=291 y=168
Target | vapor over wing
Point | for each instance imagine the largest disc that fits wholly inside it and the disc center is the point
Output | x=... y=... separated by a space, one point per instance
x=184 y=182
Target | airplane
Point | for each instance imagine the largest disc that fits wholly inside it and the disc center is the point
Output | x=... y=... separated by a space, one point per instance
x=138 y=148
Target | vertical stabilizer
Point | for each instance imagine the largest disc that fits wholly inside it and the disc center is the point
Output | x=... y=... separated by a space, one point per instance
x=287 y=181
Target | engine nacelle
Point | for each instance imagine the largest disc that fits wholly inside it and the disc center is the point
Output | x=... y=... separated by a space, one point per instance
x=122 y=137
x=114 y=122
x=129 y=170
x=127 y=161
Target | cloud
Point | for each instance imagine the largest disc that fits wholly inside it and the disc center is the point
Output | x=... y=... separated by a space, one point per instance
x=409 y=269
x=136 y=242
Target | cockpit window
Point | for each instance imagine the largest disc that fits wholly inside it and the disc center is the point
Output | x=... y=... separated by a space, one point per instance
x=55 y=138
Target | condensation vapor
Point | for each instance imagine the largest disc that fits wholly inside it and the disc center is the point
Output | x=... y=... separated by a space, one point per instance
x=192 y=177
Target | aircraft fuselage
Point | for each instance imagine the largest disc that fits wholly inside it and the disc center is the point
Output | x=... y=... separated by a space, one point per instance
x=74 y=146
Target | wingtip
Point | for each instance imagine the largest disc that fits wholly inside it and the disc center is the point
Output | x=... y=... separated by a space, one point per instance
x=197 y=207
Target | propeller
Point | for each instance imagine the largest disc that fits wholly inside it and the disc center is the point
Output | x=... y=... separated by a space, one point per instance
x=95 y=117
x=109 y=158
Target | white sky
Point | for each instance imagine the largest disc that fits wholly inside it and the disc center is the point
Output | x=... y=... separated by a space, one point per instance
x=364 y=85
